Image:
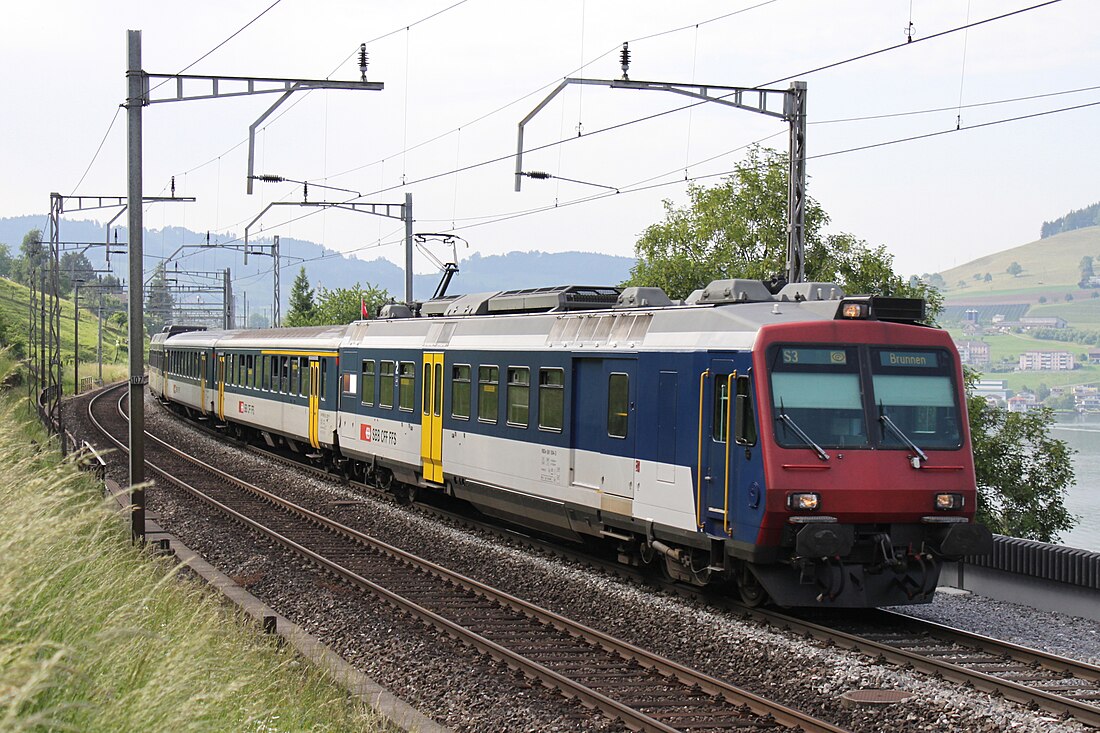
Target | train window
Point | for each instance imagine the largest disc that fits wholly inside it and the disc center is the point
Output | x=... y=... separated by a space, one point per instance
x=323 y=393
x=744 y=421
x=349 y=383
x=385 y=384
x=426 y=390
x=241 y=370
x=460 y=391
x=551 y=398
x=406 y=397
x=295 y=377
x=817 y=397
x=519 y=396
x=618 y=405
x=250 y=365
x=720 y=409
x=368 y=382
x=437 y=407
x=914 y=398
x=487 y=396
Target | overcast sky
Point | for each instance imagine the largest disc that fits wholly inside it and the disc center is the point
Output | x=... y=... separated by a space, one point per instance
x=457 y=84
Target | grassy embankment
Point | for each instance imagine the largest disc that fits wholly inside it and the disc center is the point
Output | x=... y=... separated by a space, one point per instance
x=96 y=635
x=13 y=310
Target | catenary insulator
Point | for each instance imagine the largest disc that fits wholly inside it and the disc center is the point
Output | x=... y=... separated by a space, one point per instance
x=624 y=59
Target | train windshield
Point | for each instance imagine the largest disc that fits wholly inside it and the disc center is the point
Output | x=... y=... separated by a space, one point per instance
x=915 y=391
x=819 y=393
x=864 y=397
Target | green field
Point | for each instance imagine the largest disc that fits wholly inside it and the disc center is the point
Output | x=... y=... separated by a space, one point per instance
x=1051 y=264
x=14 y=313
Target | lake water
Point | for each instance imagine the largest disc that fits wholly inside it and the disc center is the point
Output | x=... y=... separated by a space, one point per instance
x=1082 y=433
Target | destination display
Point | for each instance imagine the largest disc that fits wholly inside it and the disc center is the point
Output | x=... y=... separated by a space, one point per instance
x=919 y=359
x=834 y=357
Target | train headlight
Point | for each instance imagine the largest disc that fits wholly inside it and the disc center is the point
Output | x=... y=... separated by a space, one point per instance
x=949 y=502
x=854 y=310
x=803 y=502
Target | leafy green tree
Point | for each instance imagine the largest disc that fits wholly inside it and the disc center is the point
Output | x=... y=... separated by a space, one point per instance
x=301 y=302
x=158 y=302
x=342 y=305
x=1023 y=473
x=988 y=277
x=75 y=266
x=738 y=229
x=1014 y=269
x=6 y=261
x=32 y=257
x=258 y=320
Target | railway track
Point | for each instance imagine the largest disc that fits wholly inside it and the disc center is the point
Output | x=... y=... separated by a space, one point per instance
x=644 y=691
x=1031 y=677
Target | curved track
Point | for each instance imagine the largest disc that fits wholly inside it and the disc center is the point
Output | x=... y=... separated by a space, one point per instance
x=625 y=682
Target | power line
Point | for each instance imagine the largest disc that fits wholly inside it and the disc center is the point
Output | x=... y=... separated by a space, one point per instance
x=97 y=150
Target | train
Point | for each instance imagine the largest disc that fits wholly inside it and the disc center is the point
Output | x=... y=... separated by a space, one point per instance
x=791 y=444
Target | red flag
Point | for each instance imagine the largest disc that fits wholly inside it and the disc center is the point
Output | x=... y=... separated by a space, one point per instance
x=363 y=307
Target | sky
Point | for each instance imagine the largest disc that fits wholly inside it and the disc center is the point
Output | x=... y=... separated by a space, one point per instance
x=459 y=75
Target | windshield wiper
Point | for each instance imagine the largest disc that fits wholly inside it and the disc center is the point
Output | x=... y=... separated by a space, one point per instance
x=789 y=422
x=885 y=420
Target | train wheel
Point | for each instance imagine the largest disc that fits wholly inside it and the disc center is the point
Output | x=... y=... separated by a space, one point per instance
x=752 y=593
x=405 y=493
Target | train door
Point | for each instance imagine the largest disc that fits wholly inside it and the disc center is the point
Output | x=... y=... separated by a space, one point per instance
x=431 y=424
x=604 y=430
x=314 y=400
x=202 y=382
x=220 y=407
x=714 y=473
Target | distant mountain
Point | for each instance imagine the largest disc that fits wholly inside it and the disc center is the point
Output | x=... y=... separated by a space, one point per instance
x=329 y=268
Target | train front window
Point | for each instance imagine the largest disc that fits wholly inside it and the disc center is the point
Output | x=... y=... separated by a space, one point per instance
x=816 y=395
x=914 y=398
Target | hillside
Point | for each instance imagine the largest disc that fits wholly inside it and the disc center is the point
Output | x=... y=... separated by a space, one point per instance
x=1051 y=269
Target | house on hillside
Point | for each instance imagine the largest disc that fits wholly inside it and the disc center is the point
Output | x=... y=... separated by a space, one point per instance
x=1056 y=361
x=973 y=353
x=993 y=391
x=1094 y=356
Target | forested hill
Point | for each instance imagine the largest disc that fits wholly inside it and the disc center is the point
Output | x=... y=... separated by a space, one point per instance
x=1076 y=219
x=478 y=273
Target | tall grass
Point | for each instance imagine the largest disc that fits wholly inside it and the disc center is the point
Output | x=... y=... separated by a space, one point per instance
x=96 y=635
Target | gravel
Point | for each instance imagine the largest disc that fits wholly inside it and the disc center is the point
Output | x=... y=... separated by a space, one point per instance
x=470 y=693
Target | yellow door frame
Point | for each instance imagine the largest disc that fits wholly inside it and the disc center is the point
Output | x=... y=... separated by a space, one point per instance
x=221 y=387
x=202 y=382
x=431 y=412
x=314 y=400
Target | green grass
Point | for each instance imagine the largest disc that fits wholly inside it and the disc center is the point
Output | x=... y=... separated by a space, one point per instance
x=1007 y=347
x=1048 y=264
x=14 y=311
x=96 y=635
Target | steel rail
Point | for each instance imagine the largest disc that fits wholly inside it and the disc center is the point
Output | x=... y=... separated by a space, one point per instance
x=633 y=718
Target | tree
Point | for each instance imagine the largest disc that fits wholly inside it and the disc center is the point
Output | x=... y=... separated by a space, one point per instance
x=32 y=257
x=988 y=278
x=1086 y=271
x=258 y=320
x=301 y=302
x=738 y=229
x=158 y=302
x=6 y=261
x=1014 y=269
x=342 y=305
x=1022 y=472
x=72 y=267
